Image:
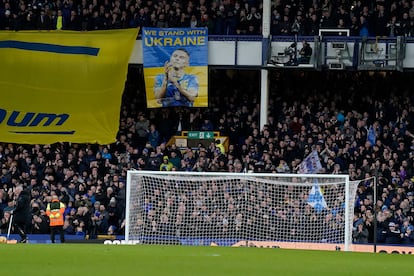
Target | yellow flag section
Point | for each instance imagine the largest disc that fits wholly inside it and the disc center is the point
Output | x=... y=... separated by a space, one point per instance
x=62 y=86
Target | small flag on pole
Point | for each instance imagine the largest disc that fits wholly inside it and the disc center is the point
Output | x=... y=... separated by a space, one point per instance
x=316 y=199
x=312 y=164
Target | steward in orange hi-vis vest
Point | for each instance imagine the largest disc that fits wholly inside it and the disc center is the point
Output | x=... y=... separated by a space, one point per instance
x=55 y=210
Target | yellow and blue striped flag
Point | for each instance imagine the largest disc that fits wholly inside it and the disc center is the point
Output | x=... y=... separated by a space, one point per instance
x=62 y=86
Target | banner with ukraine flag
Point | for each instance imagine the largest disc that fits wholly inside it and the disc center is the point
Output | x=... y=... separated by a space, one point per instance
x=62 y=86
x=175 y=66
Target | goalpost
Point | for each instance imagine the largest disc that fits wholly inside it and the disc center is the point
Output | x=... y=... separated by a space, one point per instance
x=232 y=209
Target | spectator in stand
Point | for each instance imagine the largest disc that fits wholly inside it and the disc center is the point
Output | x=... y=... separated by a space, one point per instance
x=408 y=236
x=285 y=26
x=312 y=25
x=206 y=22
x=7 y=22
x=166 y=165
x=327 y=22
x=254 y=19
x=153 y=136
x=380 y=19
x=392 y=234
x=393 y=27
x=360 y=234
x=242 y=23
x=142 y=128
x=207 y=125
x=4 y=223
x=44 y=21
x=354 y=27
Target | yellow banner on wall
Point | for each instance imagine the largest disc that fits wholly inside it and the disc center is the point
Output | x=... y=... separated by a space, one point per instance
x=62 y=86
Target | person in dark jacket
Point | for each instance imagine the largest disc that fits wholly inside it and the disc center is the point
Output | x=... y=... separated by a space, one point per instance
x=393 y=234
x=21 y=212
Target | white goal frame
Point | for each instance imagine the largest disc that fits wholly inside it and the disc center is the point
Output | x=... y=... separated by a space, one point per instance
x=349 y=199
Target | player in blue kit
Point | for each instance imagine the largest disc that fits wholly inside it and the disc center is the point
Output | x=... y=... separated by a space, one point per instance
x=175 y=87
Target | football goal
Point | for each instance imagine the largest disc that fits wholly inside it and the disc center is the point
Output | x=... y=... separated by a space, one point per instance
x=230 y=209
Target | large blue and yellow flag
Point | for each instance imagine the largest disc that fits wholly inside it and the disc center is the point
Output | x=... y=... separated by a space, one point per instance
x=62 y=86
x=175 y=66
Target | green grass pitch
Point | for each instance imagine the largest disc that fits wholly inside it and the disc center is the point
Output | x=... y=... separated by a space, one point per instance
x=119 y=260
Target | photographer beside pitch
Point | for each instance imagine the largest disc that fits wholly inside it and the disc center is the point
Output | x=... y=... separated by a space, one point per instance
x=54 y=211
x=21 y=212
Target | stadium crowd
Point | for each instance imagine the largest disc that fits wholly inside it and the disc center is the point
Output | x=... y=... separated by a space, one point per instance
x=224 y=17
x=360 y=123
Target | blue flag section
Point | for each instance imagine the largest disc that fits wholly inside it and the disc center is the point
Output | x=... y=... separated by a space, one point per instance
x=175 y=67
x=316 y=199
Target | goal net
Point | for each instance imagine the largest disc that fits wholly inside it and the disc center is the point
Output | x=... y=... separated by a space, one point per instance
x=230 y=209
